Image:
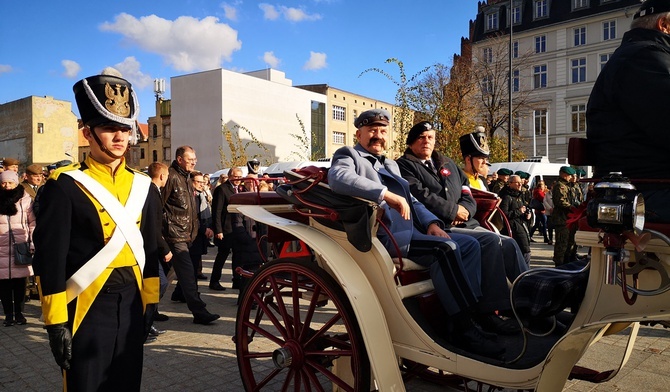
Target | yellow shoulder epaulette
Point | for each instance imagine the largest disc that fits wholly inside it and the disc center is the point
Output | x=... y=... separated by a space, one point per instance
x=136 y=171
x=57 y=172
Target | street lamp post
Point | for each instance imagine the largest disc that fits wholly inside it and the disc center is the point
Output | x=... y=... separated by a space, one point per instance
x=511 y=85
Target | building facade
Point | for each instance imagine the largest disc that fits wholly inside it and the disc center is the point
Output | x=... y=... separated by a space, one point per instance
x=564 y=45
x=261 y=108
x=342 y=108
x=159 y=132
x=39 y=130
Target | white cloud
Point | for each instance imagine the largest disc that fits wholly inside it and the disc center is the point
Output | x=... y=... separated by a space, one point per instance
x=270 y=59
x=316 y=61
x=72 y=68
x=271 y=12
x=130 y=69
x=187 y=43
x=5 y=68
x=229 y=11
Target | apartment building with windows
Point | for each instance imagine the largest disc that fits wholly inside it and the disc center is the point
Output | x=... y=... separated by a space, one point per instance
x=39 y=130
x=564 y=44
x=342 y=108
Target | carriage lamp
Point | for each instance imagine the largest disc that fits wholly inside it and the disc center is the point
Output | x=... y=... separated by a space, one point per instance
x=617 y=206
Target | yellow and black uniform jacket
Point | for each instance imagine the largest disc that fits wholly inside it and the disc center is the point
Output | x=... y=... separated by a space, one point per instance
x=72 y=227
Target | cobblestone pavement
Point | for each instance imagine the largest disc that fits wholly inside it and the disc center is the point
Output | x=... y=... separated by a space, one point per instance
x=193 y=357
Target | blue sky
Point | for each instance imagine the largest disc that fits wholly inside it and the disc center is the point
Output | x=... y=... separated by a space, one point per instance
x=46 y=46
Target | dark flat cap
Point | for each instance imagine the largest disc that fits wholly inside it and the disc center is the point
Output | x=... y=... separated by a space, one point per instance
x=371 y=117
x=504 y=172
x=10 y=162
x=34 y=169
x=567 y=170
x=651 y=7
x=524 y=175
x=417 y=130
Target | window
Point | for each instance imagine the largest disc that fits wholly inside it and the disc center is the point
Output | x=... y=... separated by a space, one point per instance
x=339 y=113
x=540 y=76
x=515 y=49
x=578 y=113
x=609 y=30
x=166 y=131
x=578 y=68
x=40 y=127
x=579 y=4
x=540 y=116
x=604 y=58
x=516 y=14
x=515 y=81
x=487 y=85
x=580 y=36
x=154 y=156
x=540 y=44
x=492 y=21
x=488 y=55
x=541 y=10
x=154 y=131
x=166 y=154
x=141 y=153
x=339 y=137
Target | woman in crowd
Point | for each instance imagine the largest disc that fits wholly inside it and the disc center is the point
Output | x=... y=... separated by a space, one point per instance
x=537 y=204
x=16 y=214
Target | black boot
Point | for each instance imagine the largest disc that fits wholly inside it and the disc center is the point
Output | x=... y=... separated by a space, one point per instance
x=469 y=336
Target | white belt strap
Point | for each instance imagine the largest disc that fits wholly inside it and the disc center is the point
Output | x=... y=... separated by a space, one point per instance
x=126 y=230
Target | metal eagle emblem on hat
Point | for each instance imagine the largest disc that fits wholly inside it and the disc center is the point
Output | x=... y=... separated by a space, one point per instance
x=117 y=99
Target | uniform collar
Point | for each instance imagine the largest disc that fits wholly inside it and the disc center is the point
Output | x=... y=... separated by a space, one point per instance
x=101 y=168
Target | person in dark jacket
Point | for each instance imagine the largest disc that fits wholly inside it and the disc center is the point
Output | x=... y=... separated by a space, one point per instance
x=180 y=228
x=444 y=189
x=159 y=174
x=499 y=184
x=518 y=214
x=222 y=225
x=627 y=113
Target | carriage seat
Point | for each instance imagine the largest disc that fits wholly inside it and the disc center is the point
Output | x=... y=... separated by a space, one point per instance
x=257 y=198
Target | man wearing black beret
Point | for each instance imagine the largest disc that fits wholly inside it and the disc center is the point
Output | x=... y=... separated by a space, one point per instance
x=436 y=181
x=627 y=114
x=499 y=184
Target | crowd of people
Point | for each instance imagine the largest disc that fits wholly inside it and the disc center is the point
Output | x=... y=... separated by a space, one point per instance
x=107 y=240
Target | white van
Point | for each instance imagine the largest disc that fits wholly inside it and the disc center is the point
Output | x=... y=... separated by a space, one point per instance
x=539 y=168
x=277 y=169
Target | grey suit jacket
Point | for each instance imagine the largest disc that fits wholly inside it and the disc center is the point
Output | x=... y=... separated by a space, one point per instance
x=356 y=172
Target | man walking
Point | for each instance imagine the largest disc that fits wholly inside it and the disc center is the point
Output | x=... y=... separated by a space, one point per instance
x=180 y=228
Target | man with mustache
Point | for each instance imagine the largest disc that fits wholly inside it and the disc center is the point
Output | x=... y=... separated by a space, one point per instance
x=454 y=260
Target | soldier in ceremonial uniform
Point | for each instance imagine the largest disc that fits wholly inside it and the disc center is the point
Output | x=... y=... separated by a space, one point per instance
x=563 y=202
x=475 y=152
x=96 y=262
x=499 y=184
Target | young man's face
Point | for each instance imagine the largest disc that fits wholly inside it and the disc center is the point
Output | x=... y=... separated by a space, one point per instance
x=114 y=139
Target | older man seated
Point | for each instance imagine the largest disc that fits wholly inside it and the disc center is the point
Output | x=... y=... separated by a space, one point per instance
x=454 y=259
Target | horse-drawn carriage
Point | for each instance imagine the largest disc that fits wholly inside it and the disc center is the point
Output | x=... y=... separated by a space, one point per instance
x=334 y=311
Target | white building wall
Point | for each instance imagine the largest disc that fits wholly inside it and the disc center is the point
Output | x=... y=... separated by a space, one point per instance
x=201 y=102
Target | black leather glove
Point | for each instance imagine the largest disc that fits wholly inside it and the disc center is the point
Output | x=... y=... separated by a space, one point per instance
x=60 y=341
x=149 y=314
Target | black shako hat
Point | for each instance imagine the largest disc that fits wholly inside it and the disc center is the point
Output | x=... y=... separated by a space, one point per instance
x=371 y=117
x=417 y=130
x=475 y=144
x=107 y=99
x=651 y=7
